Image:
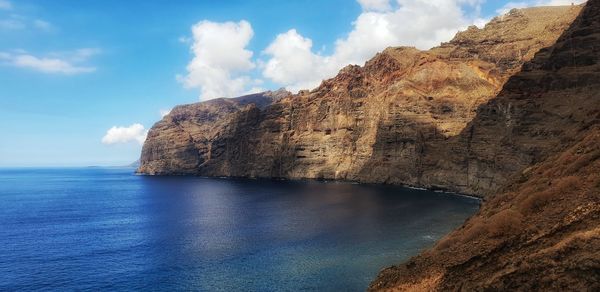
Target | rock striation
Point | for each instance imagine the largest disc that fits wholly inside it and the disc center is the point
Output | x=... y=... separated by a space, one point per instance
x=541 y=231
x=510 y=112
x=402 y=118
x=192 y=137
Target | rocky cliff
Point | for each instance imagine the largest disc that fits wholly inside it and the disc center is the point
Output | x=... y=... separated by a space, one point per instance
x=191 y=136
x=541 y=231
x=510 y=112
x=405 y=117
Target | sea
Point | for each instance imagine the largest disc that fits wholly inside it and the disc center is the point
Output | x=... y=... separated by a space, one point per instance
x=91 y=229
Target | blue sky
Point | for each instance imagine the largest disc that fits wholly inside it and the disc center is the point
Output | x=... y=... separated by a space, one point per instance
x=72 y=70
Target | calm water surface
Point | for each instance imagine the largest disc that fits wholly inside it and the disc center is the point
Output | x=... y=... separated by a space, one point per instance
x=105 y=228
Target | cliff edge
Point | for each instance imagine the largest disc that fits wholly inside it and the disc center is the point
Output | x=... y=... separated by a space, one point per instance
x=399 y=119
x=510 y=112
x=541 y=231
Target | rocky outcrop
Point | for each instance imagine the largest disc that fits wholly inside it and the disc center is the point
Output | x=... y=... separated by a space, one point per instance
x=540 y=234
x=190 y=136
x=406 y=117
x=541 y=231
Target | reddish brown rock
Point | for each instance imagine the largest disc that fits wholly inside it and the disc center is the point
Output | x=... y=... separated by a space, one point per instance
x=510 y=112
x=541 y=231
x=189 y=136
x=391 y=121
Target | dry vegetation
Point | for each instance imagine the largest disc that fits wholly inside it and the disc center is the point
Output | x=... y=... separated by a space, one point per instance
x=546 y=226
x=541 y=231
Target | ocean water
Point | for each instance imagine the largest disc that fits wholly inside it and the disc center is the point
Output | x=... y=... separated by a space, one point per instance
x=107 y=229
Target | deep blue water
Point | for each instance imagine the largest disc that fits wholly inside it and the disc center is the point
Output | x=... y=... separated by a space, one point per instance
x=107 y=229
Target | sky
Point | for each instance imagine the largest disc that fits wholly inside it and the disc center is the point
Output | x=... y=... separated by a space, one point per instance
x=81 y=82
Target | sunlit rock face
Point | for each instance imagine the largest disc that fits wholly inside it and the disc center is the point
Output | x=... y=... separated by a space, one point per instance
x=405 y=117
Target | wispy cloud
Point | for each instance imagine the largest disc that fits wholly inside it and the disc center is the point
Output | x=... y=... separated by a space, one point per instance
x=65 y=62
x=19 y=22
x=12 y=23
x=121 y=135
x=81 y=55
x=55 y=63
x=42 y=25
x=48 y=65
x=11 y=18
x=5 y=5
x=184 y=40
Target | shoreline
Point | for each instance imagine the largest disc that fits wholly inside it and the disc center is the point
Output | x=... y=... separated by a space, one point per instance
x=435 y=189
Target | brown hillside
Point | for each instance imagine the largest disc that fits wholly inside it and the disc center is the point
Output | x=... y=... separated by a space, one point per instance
x=390 y=121
x=542 y=231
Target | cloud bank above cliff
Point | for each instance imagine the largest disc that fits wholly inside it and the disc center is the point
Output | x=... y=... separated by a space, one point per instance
x=221 y=61
x=418 y=23
x=223 y=66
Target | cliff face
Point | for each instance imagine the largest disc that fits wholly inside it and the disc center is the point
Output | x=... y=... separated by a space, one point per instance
x=192 y=136
x=511 y=112
x=406 y=117
x=540 y=232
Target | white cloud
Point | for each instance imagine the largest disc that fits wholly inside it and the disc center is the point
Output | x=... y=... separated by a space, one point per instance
x=5 y=5
x=222 y=64
x=164 y=112
x=375 y=5
x=292 y=61
x=184 y=40
x=48 y=65
x=220 y=59
x=81 y=55
x=15 y=21
x=420 y=23
x=58 y=63
x=134 y=133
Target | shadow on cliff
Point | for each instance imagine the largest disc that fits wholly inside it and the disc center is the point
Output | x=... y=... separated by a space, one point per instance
x=549 y=113
x=400 y=158
x=519 y=127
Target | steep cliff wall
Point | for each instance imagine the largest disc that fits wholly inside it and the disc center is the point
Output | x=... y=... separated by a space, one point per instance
x=405 y=117
x=541 y=232
x=192 y=135
x=511 y=111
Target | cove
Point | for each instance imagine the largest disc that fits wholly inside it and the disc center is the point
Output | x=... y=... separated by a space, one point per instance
x=106 y=228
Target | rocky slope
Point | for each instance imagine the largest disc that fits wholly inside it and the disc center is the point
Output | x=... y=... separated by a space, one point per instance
x=405 y=117
x=541 y=232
